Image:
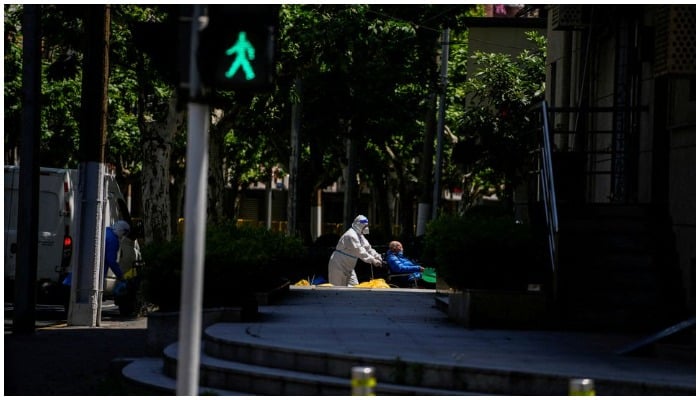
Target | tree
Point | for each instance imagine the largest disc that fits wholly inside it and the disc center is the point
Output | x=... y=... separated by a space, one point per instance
x=150 y=126
x=495 y=130
x=61 y=83
x=62 y=36
x=13 y=82
x=368 y=72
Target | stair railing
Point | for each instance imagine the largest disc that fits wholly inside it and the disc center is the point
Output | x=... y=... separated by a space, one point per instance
x=549 y=199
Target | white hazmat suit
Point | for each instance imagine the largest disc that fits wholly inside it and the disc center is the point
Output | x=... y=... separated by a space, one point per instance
x=351 y=246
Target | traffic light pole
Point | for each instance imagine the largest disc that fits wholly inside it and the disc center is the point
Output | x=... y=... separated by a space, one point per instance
x=217 y=60
x=190 y=331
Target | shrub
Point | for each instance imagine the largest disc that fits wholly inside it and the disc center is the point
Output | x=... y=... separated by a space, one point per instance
x=483 y=250
x=237 y=263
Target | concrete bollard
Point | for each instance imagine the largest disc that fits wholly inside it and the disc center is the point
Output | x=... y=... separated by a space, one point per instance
x=363 y=381
x=581 y=387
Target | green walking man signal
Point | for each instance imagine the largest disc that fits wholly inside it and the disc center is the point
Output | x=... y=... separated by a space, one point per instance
x=237 y=47
x=245 y=52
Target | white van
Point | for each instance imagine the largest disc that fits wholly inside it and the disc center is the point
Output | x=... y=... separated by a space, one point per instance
x=58 y=190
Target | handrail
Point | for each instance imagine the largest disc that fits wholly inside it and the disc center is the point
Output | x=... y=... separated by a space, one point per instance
x=548 y=192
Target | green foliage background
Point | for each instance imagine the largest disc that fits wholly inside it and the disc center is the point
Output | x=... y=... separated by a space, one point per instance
x=367 y=72
x=484 y=249
x=237 y=262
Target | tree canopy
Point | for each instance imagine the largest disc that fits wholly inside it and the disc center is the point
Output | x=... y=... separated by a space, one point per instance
x=368 y=73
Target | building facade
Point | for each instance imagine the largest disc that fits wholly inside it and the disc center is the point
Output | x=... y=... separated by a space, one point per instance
x=621 y=90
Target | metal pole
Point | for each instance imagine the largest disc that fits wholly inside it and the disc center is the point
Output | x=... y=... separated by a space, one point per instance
x=363 y=381
x=581 y=387
x=190 y=331
x=441 y=119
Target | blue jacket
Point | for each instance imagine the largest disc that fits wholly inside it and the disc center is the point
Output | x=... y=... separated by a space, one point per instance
x=398 y=264
x=111 y=251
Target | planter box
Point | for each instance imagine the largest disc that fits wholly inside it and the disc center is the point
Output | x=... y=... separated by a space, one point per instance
x=480 y=308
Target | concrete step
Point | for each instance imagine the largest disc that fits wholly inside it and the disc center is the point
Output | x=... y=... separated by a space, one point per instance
x=448 y=378
x=228 y=378
x=147 y=374
x=269 y=381
x=409 y=378
x=268 y=369
x=310 y=343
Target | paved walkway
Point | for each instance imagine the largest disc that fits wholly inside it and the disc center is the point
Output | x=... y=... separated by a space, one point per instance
x=405 y=324
x=60 y=360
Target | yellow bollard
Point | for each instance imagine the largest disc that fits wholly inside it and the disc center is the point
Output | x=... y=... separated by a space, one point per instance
x=581 y=387
x=363 y=381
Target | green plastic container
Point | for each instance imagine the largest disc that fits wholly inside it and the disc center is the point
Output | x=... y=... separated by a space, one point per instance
x=429 y=275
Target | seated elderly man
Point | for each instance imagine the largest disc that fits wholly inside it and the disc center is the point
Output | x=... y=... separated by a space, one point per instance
x=399 y=264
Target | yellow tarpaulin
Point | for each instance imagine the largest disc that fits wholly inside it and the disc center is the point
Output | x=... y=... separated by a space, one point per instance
x=374 y=283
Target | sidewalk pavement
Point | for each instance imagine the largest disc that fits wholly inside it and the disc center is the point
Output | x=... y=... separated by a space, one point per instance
x=406 y=324
x=61 y=360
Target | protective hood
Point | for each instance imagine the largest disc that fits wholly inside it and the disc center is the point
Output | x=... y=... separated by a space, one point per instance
x=361 y=225
x=121 y=228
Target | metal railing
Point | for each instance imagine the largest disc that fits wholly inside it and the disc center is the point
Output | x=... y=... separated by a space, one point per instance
x=547 y=192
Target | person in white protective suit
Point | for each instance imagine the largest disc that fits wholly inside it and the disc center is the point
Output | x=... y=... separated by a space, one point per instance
x=351 y=246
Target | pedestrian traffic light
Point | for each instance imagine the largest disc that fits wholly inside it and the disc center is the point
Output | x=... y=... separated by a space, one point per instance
x=167 y=44
x=237 y=47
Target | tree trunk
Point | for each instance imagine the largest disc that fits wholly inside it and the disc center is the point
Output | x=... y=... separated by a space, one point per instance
x=306 y=193
x=381 y=198
x=215 y=194
x=426 y=175
x=221 y=125
x=157 y=148
x=294 y=157
x=350 y=206
x=406 y=211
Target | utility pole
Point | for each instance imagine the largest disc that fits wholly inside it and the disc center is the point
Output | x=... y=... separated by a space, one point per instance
x=87 y=275
x=441 y=119
x=24 y=317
